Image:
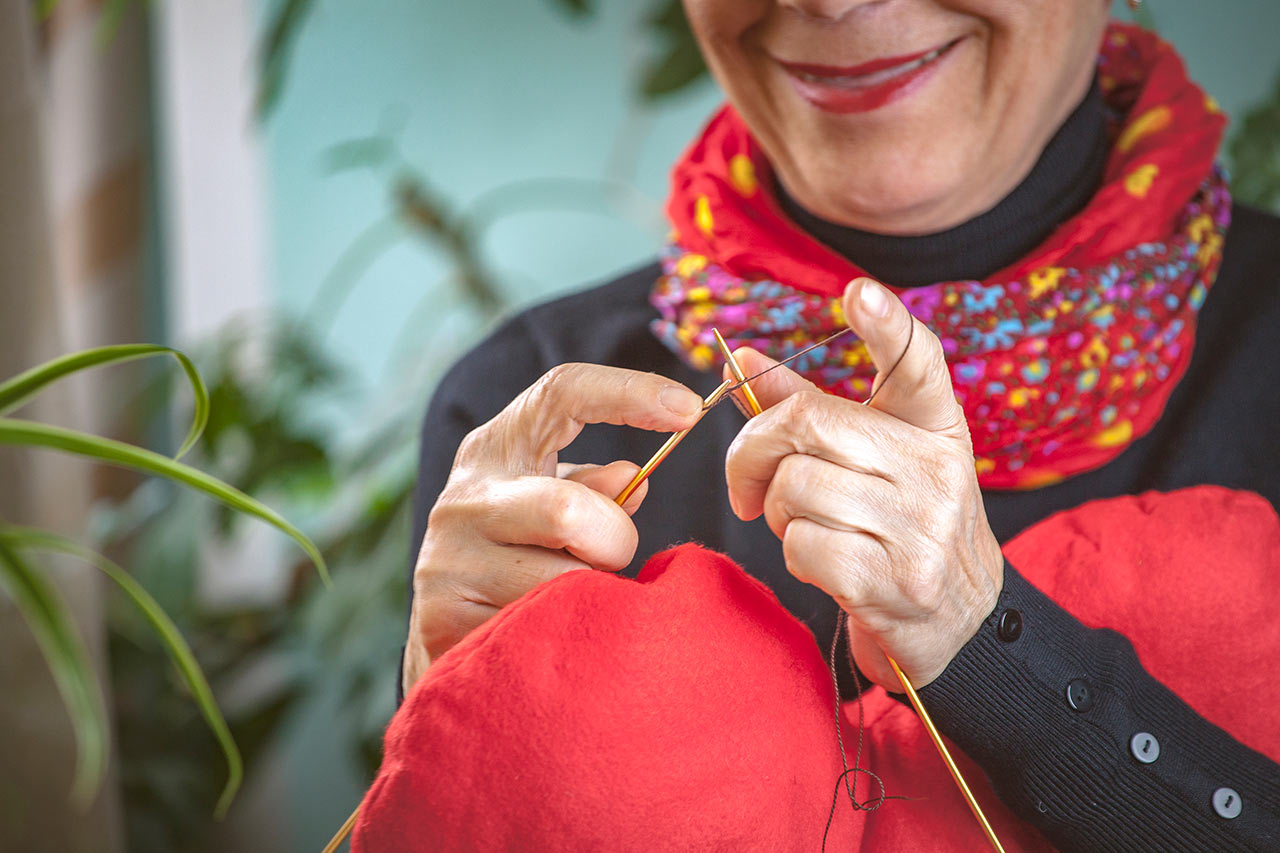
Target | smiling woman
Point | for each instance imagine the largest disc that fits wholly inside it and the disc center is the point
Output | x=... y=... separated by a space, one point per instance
x=825 y=84
x=1075 y=309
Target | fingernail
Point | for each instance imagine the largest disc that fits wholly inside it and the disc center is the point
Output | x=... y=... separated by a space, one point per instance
x=680 y=401
x=875 y=299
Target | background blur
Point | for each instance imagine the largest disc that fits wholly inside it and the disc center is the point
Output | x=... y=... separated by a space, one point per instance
x=324 y=203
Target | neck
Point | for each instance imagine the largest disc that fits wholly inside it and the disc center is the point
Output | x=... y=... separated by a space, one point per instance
x=1062 y=181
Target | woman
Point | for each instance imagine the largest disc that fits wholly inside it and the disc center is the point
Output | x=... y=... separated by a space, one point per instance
x=1051 y=222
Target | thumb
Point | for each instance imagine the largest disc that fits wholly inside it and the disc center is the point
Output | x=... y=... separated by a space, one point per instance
x=920 y=390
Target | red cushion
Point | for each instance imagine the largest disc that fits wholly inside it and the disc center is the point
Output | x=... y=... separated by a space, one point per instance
x=689 y=710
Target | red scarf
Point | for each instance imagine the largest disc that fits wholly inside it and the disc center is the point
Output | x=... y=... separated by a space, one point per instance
x=1060 y=360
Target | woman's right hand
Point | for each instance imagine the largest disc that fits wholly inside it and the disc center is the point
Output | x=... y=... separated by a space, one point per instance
x=512 y=516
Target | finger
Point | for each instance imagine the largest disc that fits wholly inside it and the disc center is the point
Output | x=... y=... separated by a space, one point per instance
x=852 y=568
x=549 y=414
x=559 y=514
x=920 y=391
x=609 y=480
x=871 y=660
x=810 y=422
x=808 y=487
x=776 y=385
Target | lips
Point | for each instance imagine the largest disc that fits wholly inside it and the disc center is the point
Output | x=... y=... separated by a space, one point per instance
x=864 y=87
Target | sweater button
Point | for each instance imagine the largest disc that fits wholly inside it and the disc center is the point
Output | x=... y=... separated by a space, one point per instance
x=1144 y=747
x=1010 y=627
x=1079 y=695
x=1227 y=803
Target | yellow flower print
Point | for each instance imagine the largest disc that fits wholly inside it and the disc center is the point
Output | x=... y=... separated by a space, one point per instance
x=1045 y=279
x=983 y=466
x=1211 y=104
x=837 y=312
x=742 y=174
x=1199 y=228
x=702 y=215
x=1152 y=121
x=1210 y=248
x=1094 y=354
x=1137 y=182
x=856 y=355
x=1040 y=479
x=1019 y=397
x=1121 y=433
x=690 y=264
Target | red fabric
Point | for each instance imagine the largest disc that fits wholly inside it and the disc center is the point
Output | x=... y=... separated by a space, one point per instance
x=1060 y=360
x=688 y=710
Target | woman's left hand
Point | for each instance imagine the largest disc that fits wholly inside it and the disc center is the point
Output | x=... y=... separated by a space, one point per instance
x=877 y=505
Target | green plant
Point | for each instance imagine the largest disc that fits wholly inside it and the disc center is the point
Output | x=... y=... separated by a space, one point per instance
x=1255 y=153
x=37 y=599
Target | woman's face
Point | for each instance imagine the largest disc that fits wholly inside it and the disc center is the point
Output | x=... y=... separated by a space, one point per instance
x=901 y=116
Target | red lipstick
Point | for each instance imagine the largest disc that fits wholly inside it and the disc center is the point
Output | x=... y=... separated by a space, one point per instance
x=865 y=87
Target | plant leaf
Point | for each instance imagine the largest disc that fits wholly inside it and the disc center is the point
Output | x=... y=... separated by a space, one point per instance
x=277 y=44
x=680 y=63
x=21 y=388
x=174 y=643
x=32 y=434
x=50 y=622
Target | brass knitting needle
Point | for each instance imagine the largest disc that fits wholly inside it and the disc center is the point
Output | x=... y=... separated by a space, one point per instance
x=670 y=444
x=754 y=405
x=738 y=382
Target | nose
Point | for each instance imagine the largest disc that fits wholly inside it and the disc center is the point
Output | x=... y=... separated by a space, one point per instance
x=827 y=10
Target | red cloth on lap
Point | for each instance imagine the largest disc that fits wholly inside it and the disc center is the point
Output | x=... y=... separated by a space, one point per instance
x=688 y=710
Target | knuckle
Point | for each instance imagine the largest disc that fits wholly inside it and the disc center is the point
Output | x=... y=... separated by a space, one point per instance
x=564 y=514
x=924 y=587
x=469 y=447
x=552 y=385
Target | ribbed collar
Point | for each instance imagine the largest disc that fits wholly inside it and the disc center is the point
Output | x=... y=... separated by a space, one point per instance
x=1059 y=185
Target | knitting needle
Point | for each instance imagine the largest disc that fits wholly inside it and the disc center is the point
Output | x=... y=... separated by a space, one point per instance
x=739 y=381
x=754 y=405
x=670 y=444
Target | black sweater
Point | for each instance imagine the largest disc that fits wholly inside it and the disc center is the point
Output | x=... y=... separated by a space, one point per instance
x=1220 y=427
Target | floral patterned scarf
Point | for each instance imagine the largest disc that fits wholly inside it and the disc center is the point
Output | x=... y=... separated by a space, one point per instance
x=1060 y=360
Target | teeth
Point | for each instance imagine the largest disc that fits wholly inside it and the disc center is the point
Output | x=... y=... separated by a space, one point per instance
x=854 y=81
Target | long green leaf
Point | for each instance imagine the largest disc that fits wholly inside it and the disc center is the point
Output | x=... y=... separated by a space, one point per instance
x=16 y=391
x=50 y=622
x=32 y=434
x=175 y=645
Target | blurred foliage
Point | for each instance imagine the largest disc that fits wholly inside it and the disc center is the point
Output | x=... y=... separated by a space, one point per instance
x=269 y=385
x=1255 y=154
x=38 y=600
x=679 y=63
x=263 y=657
x=273 y=55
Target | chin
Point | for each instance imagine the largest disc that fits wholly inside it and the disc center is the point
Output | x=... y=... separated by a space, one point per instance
x=905 y=192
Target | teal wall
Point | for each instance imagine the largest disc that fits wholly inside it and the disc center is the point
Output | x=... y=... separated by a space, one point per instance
x=489 y=93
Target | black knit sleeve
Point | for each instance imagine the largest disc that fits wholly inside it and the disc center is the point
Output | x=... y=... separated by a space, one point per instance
x=476 y=389
x=1081 y=741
